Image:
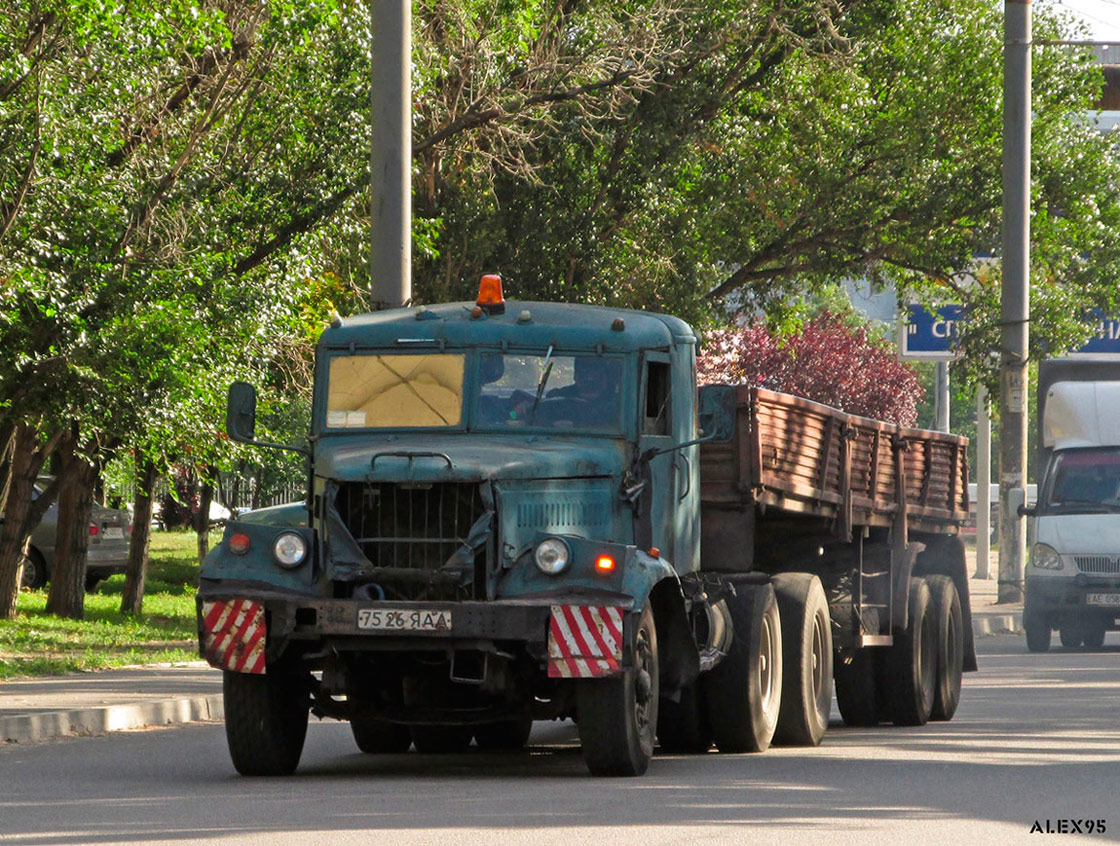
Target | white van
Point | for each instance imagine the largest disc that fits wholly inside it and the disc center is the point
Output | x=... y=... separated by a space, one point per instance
x=1073 y=579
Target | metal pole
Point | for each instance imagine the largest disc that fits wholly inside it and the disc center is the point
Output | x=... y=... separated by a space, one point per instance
x=942 y=396
x=390 y=267
x=1015 y=295
x=983 y=485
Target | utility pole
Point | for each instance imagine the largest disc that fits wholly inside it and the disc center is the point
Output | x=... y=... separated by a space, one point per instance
x=390 y=266
x=983 y=485
x=1015 y=294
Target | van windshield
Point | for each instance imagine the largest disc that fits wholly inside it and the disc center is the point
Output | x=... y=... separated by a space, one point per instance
x=551 y=391
x=1085 y=481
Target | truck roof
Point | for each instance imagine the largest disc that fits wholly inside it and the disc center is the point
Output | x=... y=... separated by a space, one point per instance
x=566 y=326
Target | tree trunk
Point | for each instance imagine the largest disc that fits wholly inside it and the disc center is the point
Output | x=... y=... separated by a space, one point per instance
x=75 y=504
x=132 y=600
x=202 y=517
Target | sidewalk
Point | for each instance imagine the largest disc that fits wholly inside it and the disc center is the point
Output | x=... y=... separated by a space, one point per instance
x=111 y=700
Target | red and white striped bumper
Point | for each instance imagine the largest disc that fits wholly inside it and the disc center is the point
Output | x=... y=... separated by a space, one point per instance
x=584 y=641
x=233 y=635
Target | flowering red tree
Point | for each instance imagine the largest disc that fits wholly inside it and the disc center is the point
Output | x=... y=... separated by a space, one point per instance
x=828 y=361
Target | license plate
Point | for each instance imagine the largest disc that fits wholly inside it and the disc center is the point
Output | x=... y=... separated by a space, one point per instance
x=1111 y=599
x=404 y=620
x=113 y=533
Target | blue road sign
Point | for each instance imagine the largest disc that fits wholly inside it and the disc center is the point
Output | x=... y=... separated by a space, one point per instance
x=1106 y=341
x=930 y=335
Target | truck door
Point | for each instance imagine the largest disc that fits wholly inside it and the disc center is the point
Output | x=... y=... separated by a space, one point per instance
x=656 y=431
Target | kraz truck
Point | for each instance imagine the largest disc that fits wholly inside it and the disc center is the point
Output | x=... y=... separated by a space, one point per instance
x=513 y=515
x=1073 y=580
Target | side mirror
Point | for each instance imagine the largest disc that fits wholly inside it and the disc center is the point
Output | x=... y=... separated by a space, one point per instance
x=1017 y=500
x=241 y=412
x=717 y=411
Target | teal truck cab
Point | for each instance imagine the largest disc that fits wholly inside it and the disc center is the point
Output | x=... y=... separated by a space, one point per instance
x=504 y=525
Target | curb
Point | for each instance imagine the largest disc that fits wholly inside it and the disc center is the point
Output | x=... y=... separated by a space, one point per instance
x=29 y=728
x=997 y=624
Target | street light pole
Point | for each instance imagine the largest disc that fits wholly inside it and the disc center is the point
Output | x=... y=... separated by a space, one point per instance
x=390 y=267
x=1015 y=294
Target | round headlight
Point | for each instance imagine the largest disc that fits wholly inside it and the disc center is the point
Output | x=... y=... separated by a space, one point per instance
x=289 y=549
x=552 y=556
x=1045 y=557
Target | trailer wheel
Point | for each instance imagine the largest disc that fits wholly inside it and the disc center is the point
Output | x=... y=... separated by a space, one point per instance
x=618 y=716
x=945 y=605
x=1038 y=630
x=266 y=721
x=806 y=659
x=441 y=739
x=858 y=693
x=1072 y=635
x=911 y=663
x=1094 y=636
x=682 y=727
x=744 y=692
x=504 y=735
x=380 y=737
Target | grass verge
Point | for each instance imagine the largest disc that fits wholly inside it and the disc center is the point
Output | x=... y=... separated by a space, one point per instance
x=35 y=643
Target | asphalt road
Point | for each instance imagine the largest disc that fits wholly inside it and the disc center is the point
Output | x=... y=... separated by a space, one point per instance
x=1037 y=738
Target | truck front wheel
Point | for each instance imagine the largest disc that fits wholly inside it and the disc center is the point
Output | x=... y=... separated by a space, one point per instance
x=744 y=692
x=806 y=659
x=266 y=721
x=618 y=716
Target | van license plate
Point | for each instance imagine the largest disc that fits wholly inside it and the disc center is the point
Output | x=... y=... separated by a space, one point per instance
x=1112 y=599
x=404 y=620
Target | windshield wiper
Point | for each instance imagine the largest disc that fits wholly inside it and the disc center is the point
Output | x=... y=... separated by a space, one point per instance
x=540 y=385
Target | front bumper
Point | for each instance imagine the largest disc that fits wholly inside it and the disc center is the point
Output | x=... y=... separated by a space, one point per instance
x=1067 y=600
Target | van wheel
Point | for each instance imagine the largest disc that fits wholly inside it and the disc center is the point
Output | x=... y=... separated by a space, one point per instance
x=34 y=571
x=1094 y=636
x=1038 y=630
x=266 y=721
x=911 y=663
x=1072 y=635
x=857 y=688
x=946 y=610
x=744 y=692
x=618 y=716
x=806 y=659
x=682 y=726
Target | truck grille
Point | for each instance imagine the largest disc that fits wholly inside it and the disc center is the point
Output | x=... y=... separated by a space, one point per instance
x=1103 y=564
x=409 y=533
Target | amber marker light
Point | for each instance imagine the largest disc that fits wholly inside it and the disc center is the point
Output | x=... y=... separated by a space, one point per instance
x=604 y=564
x=239 y=543
x=490 y=294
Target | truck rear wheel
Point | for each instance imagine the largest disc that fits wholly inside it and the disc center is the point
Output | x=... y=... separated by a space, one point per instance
x=682 y=727
x=504 y=735
x=380 y=737
x=806 y=659
x=911 y=663
x=857 y=689
x=618 y=716
x=743 y=693
x=266 y=721
x=945 y=605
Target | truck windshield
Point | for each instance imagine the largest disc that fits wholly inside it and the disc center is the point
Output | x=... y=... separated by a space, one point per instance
x=381 y=391
x=552 y=391
x=1086 y=480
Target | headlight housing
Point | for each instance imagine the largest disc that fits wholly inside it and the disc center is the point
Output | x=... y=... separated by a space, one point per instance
x=289 y=549
x=552 y=556
x=1045 y=557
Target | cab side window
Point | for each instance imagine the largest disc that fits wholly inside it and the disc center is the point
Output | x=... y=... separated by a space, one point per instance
x=655 y=419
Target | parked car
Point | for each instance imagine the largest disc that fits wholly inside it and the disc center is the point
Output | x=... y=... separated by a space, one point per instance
x=109 y=532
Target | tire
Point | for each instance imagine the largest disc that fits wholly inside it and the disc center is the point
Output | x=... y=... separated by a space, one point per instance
x=35 y=573
x=857 y=689
x=945 y=605
x=911 y=663
x=507 y=735
x=92 y=581
x=1038 y=631
x=380 y=737
x=1072 y=635
x=1094 y=636
x=441 y=739
x=743 y=694
x=682 y=727
x=806 y=659
x=266 y=721
x=618 y=716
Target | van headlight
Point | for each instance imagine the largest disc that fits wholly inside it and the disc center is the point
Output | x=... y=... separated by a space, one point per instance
x=552 y=556
x=289 y=549
x=1045 y=557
